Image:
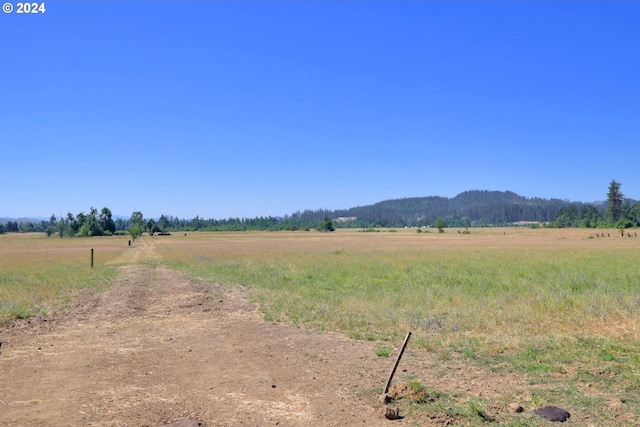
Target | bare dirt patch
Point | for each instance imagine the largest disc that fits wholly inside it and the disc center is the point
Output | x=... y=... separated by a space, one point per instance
x=157 y=347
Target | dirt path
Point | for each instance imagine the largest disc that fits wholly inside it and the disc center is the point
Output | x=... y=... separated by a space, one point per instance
x=157 y=347
x=143 y=250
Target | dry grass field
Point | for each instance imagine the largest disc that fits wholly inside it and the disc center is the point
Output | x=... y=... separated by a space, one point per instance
x=499 y=315
x=38 y=272
x=560 y=306
x=494 y=282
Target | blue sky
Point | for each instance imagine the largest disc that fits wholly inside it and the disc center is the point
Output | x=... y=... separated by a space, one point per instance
x=250 y=108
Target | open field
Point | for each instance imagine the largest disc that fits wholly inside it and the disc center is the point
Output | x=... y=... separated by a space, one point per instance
x=533 y=316
x=559 y=306
x=497 y=284
x=37 y=272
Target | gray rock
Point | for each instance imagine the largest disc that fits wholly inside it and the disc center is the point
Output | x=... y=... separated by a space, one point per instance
x=552 y=413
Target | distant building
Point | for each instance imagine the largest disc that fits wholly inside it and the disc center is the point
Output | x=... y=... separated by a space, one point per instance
x=346 y=218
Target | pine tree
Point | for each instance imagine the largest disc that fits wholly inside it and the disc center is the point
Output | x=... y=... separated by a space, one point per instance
x=614 y=199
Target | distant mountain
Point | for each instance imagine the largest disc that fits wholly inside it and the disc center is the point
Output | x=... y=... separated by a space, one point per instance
x=470 y=208
x=22 y=220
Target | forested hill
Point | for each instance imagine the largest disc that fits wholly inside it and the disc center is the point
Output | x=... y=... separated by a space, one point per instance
x=471 y=208
x=468 y=209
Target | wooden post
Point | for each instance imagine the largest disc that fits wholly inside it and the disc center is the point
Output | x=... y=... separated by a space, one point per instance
x=395 y=366
x=91 y=257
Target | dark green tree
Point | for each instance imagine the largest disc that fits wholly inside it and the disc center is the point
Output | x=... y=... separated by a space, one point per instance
x=78 y=223
x=567 y=217
x=121 y=224
x=614 y=199
x=326 y=225
x=589 y=217
x=27 y=227
x=63 y=228
x=137 y=218
x=635 y=214
x=90 y=225
x=151 y=227
x=106 y=222
x=163 y=224
x=440 y=225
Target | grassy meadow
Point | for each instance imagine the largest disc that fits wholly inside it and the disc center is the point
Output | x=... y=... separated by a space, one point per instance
x=559 y=307
x=38 y=273
x=503 y=285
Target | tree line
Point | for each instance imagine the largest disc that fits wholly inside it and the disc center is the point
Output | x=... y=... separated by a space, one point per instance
x=618 y=212
x=468 y=209
x=101 y=223
x=93 y=223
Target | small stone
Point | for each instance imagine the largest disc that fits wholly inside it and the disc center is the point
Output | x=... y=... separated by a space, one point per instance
x=515 y=408
x=391 y=412
x=552 y=413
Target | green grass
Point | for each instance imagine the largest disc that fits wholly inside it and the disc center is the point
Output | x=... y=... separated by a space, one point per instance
x=383 y=350
x=38 y=273
x=558 y=308
x=552 y=306
x=23 y=294
x=439 y=292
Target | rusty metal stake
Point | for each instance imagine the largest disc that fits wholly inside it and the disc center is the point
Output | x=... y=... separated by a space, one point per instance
x=395 y=366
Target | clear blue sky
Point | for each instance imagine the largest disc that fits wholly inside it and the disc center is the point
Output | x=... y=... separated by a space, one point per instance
x=250 y=108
